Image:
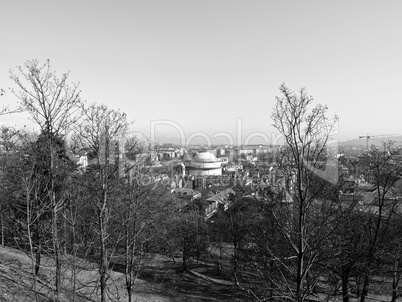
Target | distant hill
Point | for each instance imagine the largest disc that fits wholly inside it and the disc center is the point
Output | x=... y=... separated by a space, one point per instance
x=372 y=141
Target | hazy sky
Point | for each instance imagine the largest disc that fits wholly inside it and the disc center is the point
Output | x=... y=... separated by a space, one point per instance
x=216 y=66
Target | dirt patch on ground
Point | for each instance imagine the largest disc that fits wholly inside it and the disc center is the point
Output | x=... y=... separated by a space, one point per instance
x=200 y=283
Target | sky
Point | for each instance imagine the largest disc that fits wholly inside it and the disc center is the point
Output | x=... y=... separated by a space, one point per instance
x=209 y=70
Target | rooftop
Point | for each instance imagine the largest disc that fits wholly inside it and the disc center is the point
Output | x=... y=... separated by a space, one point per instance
x=205 y=157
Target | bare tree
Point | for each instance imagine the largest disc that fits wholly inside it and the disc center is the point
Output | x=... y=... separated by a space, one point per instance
x=25 y=206
x=306 y=133
x=143 y=205
x=33 y=215
x=385 y=172
x=53 y=104
x=100 y=131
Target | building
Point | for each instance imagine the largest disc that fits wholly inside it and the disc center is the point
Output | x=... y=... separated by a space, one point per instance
x=216 y=199
x=187 y=194
x=202 y=164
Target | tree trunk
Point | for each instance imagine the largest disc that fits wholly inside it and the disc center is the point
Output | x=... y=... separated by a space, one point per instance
x=103 y=256
x=56 y=247
x=394 y=294
x=54 y=218
x=103 y=268
x=184 y=252
x=235 y=256
x=129 y=265
x=395 y=281
x=271 y=294
x=31 y=247
x=366 y=283
x=345 y=286
x=37 y=258
x=300 y=256
x=2 y=228
x=74 y=251
x=127 y=262
x=38 y=243
x=103 y=218
x=358 y=281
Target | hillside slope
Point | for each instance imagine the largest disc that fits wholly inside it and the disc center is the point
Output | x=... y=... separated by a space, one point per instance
x=16 y=282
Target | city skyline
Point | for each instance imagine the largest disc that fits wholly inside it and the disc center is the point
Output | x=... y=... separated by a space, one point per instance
x=203 y=66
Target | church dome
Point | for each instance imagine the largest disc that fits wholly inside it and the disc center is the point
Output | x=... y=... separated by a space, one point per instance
x=204 y=163
x=205 y=157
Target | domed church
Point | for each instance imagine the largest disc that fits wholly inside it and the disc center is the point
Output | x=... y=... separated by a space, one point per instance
x=203 y=163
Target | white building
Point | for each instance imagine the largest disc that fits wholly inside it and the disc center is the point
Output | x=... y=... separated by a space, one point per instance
x=203 y=163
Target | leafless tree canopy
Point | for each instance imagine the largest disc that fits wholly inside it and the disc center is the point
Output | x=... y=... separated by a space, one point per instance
x=50 y=100
x=306 y=133
x=100 y=125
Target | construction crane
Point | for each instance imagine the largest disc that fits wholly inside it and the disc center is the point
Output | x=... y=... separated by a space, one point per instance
x=367 y=137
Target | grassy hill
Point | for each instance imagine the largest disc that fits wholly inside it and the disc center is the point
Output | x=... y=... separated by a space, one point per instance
x=161 y=281
x=16 y=282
